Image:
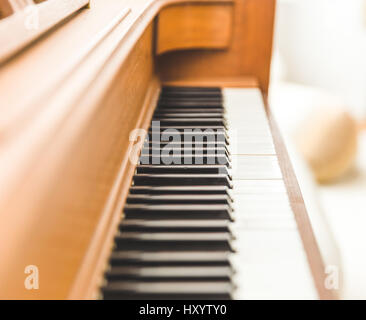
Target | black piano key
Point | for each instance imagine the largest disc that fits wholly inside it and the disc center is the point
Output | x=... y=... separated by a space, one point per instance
x=172 y=273
x=179 y=212
x=175 y=226
x=200 y=136
x=170 y=258
x=186 y=145
x=178 y=199
x=206 y=104
x=175 y=239
x=181 y=180
x=214 y=128
x=188 y=102
x=191 y=110
x=182 y=169
x=139 y=290
x=195 y=150
x=185 y=159
x=209 y=98
x=176 y=122
x=184 y=241
x=192 y=95
x=186 y=115
x=181 y=190
x=184 y=89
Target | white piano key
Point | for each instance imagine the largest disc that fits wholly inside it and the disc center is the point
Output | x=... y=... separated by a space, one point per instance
x=244 y=104
x=272 y=264
x=248 y=125
x=271 y=261
x=255 y=167
x=268 y=245
x=287 y=280
x=248 y=98
x=264 y=210
x=260 y=206
x=250 y=143
x=276 y=222
x=261 y=187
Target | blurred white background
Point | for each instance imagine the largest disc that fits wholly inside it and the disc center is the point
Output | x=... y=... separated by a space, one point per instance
x=323 y=43
x=320 y=60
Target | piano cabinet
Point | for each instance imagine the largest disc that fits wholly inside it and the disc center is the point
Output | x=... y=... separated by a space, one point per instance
x=69 y=102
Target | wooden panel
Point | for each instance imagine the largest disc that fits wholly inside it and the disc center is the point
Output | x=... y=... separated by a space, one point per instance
x=91 y=152
x=249 y=54
x=8 y=7
x=234 y=82
x=194 y=26
x=26 y=26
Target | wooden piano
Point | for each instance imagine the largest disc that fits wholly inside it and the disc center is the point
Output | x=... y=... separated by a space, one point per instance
x=90 y=209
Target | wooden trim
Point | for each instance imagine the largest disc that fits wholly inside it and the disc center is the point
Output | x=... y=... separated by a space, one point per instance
x=194 y=26
x=311 y=247
x=248 y=55
x=9 y=7
x=15 y=33
x=239 y=82
x=88 y=280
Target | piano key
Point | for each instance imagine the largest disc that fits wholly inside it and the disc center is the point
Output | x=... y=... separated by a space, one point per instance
x=171 y=273
x=178 y=199
x=185 y=98
x=187 y=241
x=178 y=212
x=170 y=258
x=214 y=290
x=249 y=167
x=190 y=104
x=181 y=179
x=182 y=169
x=175 y=226
x=188 y=144
x=211 y=136
x=191 y=110
x=195 y=150
x=184 y=89
x=184 y=159
x=167 y=213
x=170 y=122
x=203 y=127
x=181 y=190
x=186 y=115
x=191 y=95
x=251 y=142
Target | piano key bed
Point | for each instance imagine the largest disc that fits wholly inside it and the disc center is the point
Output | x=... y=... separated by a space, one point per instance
x=207 y=216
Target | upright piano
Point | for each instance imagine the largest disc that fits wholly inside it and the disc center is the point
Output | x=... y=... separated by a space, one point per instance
x=139 y=157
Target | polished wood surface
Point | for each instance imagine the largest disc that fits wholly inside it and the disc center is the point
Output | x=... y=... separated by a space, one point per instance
x=243 y=82
x=311 y=247
x=69 y=103
x=8 y=7
x=246 y=56
x=32 y=19
x=194 y=26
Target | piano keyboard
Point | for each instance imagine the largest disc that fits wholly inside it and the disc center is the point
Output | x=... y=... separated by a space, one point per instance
x=209 y=217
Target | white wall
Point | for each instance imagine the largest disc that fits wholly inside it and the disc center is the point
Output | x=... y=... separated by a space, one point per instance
x=323 y=43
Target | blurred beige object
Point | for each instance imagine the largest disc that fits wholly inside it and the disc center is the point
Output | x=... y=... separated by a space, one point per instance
x=327 y=139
